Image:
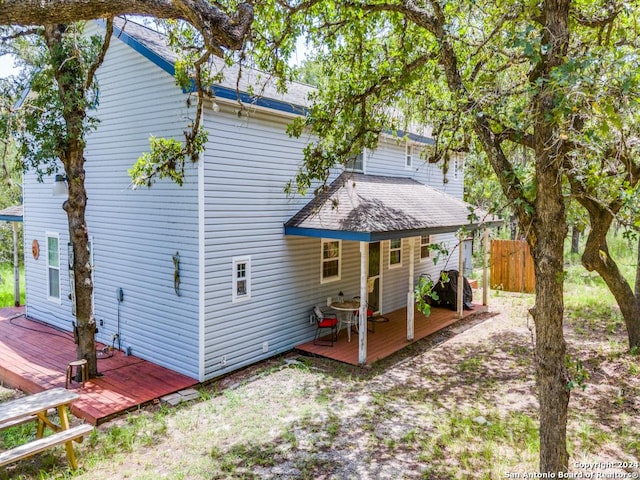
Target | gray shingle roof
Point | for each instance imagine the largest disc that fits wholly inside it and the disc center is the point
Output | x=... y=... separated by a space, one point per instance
x=251 y=79
x=372 y=208
x=249 y=85
x=11 y=214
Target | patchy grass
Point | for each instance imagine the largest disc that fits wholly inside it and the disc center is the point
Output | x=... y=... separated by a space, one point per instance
x=460 y=404
x=7 y=298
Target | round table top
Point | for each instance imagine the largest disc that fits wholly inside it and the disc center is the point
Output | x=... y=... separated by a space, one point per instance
x=347 y=305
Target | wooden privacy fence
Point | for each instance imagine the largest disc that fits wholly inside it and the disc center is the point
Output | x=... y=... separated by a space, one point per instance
x=512 y=266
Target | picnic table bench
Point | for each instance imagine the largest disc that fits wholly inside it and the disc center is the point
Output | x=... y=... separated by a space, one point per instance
x=36 y=408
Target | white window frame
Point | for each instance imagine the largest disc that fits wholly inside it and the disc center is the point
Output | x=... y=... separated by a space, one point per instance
x=337 y=277
x=235 y=262
x=395 y=249
x=57 y=268
x=408 y=155
x=425 y=244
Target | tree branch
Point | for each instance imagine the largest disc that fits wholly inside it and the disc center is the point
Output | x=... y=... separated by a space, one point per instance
x=20 y=33
x=218 y=28
x=100 y=58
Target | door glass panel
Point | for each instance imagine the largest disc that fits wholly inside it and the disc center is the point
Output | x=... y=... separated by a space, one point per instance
x=373 y=295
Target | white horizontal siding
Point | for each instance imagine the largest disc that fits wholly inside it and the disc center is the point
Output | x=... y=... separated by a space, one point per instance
x=395 y=281
x=135 y=232
x=389 y=159
x=247 y=166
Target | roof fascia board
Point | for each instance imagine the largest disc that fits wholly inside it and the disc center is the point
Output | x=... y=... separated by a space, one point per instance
x=143 y=50
x=232 y=95
x=414 y=137
x=324 y=233
x=10 y=218
x=378 y=236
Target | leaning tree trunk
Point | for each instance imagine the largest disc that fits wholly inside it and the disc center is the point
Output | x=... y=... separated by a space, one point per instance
x=70 y=79
x=596 y=257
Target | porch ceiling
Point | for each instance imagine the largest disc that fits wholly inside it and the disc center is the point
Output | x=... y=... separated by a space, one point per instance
x=370 y=208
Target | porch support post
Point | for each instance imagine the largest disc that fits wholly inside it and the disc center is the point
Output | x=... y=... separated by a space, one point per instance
x=410 y=294
x=364 y=295
x=460 y=277
x=16 y=266
x=485 y=268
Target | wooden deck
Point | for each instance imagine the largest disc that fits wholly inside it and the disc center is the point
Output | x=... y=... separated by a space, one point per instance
x=389 y=337
x=34 y=357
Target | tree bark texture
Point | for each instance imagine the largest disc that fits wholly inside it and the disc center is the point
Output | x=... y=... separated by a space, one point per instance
x=70 y=83
x=550 y=226
x=219 y=29
x=550 y=348
x=596 y=257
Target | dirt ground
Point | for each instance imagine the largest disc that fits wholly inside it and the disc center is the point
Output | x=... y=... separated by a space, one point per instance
x=460 y=404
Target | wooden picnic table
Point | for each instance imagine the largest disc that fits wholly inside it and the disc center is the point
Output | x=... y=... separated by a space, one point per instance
x=36 y=407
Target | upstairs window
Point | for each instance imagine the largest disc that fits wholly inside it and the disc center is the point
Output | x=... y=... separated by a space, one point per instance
x=395 y=253
x=408 y=158
x=241 y=279
x=331 y=256
x=356 y=163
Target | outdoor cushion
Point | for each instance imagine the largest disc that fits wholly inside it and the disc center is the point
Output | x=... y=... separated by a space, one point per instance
x=328 y=322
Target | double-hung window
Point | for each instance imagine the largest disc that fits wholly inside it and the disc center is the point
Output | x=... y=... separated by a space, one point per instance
x=331 y=260
x=241 y=274
x=395 y=252
x=408 y=158
x=356 y=163
x=53 y=267
x=425 y=250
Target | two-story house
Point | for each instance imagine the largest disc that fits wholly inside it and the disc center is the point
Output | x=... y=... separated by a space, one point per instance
x=223 y=272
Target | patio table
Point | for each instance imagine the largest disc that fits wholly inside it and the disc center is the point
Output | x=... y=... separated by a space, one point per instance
x=346 y=314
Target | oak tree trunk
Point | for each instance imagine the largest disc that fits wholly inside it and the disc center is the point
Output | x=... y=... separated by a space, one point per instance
x=550 y=348
x=70 y=79
x=550 y=228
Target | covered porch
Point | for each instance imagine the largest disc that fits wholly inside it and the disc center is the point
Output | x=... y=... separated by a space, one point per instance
x=390 y=336
x=370 y=209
